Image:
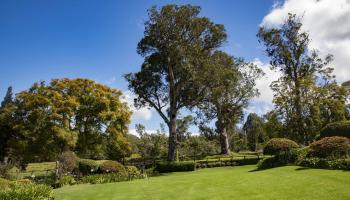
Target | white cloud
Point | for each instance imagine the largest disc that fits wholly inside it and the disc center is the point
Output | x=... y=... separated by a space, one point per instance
x=327 y=22
x=142 y=113
x=263 y=84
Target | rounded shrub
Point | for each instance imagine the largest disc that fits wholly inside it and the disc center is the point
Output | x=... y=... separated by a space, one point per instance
x=87 y=166
x=334 y=147
x=111 y=166
x=132 y=170
x=276 y=146
x=68 y=161
x=341 y=128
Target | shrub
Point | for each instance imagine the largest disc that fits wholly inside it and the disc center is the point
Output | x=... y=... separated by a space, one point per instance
x=298 y=154
x=4 y=169
x=68 y=162
x=106 y=178
x=87 y=166
x=322 y=163
x=336 y=147
x=341 y=128
x=132 y=170
x=276 y=146
x=19 y=191
x=66 y=180
x=49 y=180
x=163 y=167
x=111 y=166
x=271 y=162
x=151 y=172
x=4 y=183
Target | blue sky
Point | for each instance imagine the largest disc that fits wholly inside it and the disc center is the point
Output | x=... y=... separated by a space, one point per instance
x=46 y=39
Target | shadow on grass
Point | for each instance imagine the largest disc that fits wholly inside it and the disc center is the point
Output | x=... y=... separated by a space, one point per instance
x=302 y=168
x=264 y=169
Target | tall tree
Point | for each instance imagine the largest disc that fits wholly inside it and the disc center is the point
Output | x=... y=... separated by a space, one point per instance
x=6 y=132
x=304 y=76
x=230 y=84
x=8 y=97
x=254 y=129
x=175 y=44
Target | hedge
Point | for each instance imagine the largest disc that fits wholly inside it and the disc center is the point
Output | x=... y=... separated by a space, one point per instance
x=87 y=166
x=163 y=167
x=276 y=146
x=323 y=163
x=226 y=162
x=111 y=166
x=335 y=147
x=341 y=128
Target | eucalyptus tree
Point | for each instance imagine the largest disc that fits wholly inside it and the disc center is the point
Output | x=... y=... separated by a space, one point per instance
x=176 y=43
x=305 y=93
x=229 y=85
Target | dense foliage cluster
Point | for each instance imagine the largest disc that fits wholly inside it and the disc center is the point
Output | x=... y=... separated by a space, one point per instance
x=341 y=128
x=25 y=190
x=79 y=115
x=277 y=146
x=334 y=147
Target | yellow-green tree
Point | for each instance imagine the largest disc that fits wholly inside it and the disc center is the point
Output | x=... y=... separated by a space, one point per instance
x=70 y=114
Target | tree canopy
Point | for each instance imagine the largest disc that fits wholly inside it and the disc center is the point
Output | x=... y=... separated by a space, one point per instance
x=69 y=114
x=175 y=45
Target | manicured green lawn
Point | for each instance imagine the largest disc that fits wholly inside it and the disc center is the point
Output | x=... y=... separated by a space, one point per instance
x=223 y=183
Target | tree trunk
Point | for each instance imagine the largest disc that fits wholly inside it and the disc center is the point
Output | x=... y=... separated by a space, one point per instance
x=299 y=120
x=225 y=148
x=172 y=139
x=173 y=115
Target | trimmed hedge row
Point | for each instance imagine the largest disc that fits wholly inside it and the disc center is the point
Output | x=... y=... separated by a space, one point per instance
x=226 y=162
x=163 y=167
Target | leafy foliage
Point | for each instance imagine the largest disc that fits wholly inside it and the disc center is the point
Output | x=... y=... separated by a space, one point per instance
x=276 y=146
x=254 y=128
x=175 y=45
x=306 y=96
x=66 y=180
x=111 y=166
x=323 y=163
x=335 y=147
x=151 y=144
x=68 y=162
x=67 y=114
x=341 y=128
x=87 y=166
x=28 y=191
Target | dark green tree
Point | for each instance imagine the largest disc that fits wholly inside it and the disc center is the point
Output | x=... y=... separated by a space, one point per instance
x=6 y=131
x=8 y=98
x=254 y=129
x=175 y=45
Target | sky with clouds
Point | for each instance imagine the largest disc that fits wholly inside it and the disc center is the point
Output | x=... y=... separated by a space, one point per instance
x=45 y=39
